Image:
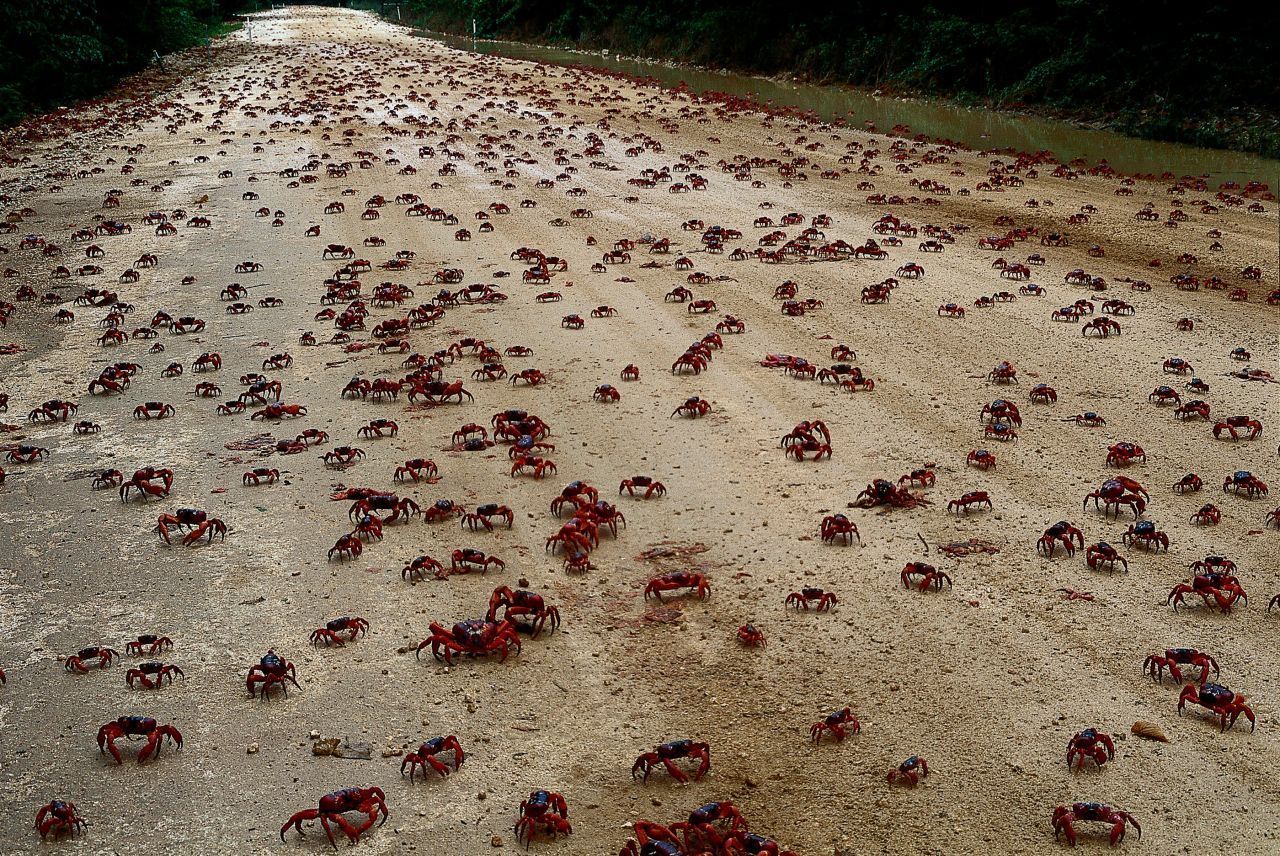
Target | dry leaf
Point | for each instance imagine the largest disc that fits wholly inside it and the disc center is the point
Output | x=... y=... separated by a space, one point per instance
x=1149 y=731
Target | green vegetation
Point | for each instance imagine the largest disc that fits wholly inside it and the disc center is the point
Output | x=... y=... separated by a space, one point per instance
x=53 y=52
x=1206 y=75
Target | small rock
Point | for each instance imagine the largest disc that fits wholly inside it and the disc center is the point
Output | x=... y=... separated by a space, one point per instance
x=251 y=749
x=496 y=841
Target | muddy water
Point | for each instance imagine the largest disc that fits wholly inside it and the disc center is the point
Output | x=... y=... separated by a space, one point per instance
x=975 y=127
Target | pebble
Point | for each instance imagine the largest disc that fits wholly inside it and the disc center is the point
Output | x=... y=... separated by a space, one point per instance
x=496 y=841
x=251 y=749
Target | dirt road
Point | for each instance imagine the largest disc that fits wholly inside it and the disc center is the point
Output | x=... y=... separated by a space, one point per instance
x=987 y=680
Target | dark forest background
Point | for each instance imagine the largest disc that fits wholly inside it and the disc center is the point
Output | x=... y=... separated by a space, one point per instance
x=54 y=52
x=1204 y=73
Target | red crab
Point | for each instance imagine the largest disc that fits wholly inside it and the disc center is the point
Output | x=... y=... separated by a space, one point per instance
x=149 y=645
x=1090 y=744
x=1246 y=481
x=982 y=459
x=884 y=492
x=1224 y=703
x=1062 y=533
x=152 y=674
x=1190 y=483
x=1223 y=588
x=271 y=670
x=648 y=485
x=353 y=627
x=1123 y=454
x=483 y=514
x=752 y=637
x=142 y=481
x=544 y=811
x=974 y=497
x=136 y=726
x=522 y=603
x=839 y=526
x=667 y=753
x=57 y=817
x=1208 y=515
x=153 y=410
x=606 y=393
x=1103 y=553
x=677 y=580
x=836 y=724
x=332 y=807
x=77 y=661
x=466 y=560
x=1145 y=533
x=418 y=469
x=1232 y=424
x=261 y=475
x=909 y=772
x=930 y=577
x=1155 y=664
x=425 y=756
x=476 y=637
x=1064 y=820
x=711 y=827
x=413 y=570
x=1042 y=393
x=806 y=597
x=693 y=407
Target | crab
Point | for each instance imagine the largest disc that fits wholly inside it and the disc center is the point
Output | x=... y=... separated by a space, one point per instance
x=630 y=372
x=999 y=431
x=1190 y=483
x=425 y=756
x=137 y=726
x=54 y=410
x=1164 y=395
x=884 y=492
x=667 y=753
x=153 y=410
x=1062 y=533
x=442 y=509
x=1123 y=454
x=1145 y=534
x=970 y=498
x=839 y=526
x=342 y=456
x=1155 y=664
x=929 y=577
x=57 y=817
x=270 y=671
x=1223 y=588
x=367 y=801
x=650 y=487
x=982 y=459
x=1090 y=744
x=1192 y=409
x=544 y=811
x=466 y=560
x=77 y=661
x=1088 y=419
x=377 y=428
x=200 y=524
x=837 y=724
x=1042 y=393
x=152 y=674
x=1065 y=818
x=481 y=516
x=1102 y=553
x=354 y=627
x=1224 y=703
x=1002 y=411
x=537 y=466
x=1117 y=492
x=1232 y=424
x=530 y=377
x=909 y=772
x=693 y=407
x=278 y=411
x=476 y=637
x=400 y=508
x=808 y=444
x=418 y=469
x=1004 y=372
x=809 y=596
x=261 y=475
x=698 y=583
x=751 y=636
x=521 y=603
x=143 y=481
x=1208 y=515
x=715 y=827
x=606 y=393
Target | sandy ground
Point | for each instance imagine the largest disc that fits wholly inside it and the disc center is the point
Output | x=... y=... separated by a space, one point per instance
x=987 y=681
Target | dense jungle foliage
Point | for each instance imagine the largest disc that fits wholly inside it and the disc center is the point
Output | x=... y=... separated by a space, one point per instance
x=1207 y=74
x=53 y=52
